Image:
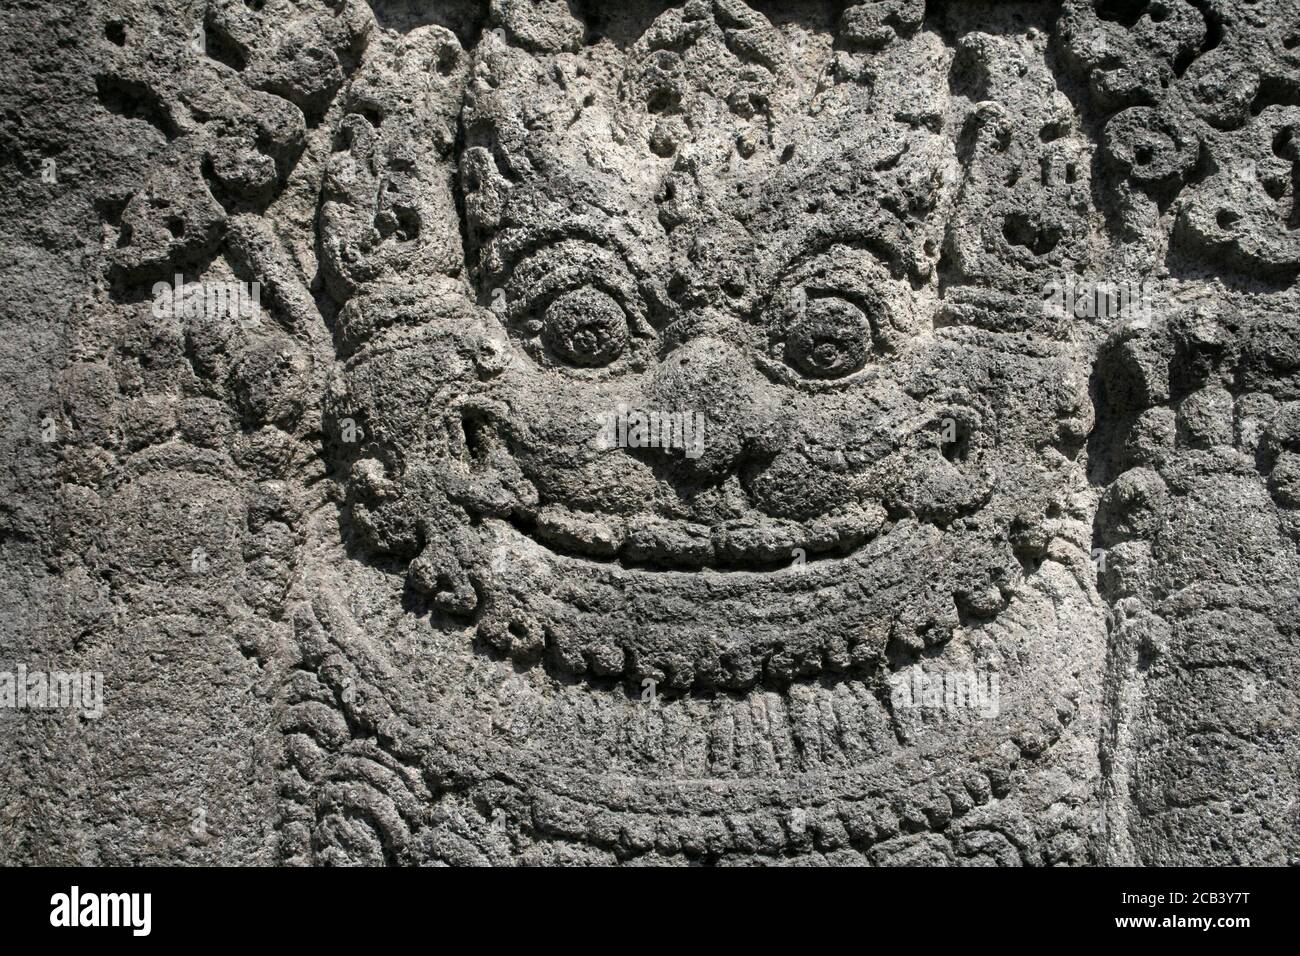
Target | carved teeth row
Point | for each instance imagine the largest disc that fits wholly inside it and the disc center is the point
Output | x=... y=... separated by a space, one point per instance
x=589 y=535
x=643 y=625
x=526 y=638
x=739 y=543
x=669 y=542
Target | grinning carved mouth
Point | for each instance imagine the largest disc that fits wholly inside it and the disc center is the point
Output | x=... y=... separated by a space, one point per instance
x=663 y=593
x=756 y=544
x=709 y=627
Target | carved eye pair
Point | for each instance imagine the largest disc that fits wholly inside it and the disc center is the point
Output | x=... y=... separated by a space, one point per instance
x=826 y=337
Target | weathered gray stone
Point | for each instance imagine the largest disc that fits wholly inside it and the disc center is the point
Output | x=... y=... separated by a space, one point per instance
x=859 y=432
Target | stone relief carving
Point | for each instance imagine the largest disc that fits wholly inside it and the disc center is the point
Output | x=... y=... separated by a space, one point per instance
x=702 y=432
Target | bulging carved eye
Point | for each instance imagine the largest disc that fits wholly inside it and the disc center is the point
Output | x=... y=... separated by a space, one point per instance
x=585 y=327
x=830 y=338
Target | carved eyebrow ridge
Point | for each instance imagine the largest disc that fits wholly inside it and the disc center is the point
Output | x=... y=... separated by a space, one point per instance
x=526 y=242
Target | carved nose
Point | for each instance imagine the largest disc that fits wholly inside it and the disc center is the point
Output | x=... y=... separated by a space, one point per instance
x=714 y=386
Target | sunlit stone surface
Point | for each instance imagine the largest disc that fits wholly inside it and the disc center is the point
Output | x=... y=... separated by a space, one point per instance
x=558 y=432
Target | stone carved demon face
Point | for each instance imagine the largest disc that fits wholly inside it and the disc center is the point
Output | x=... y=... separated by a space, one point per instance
x=705 y=221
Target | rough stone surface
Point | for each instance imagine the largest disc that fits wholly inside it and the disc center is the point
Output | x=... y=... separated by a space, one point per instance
x=371 y=578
